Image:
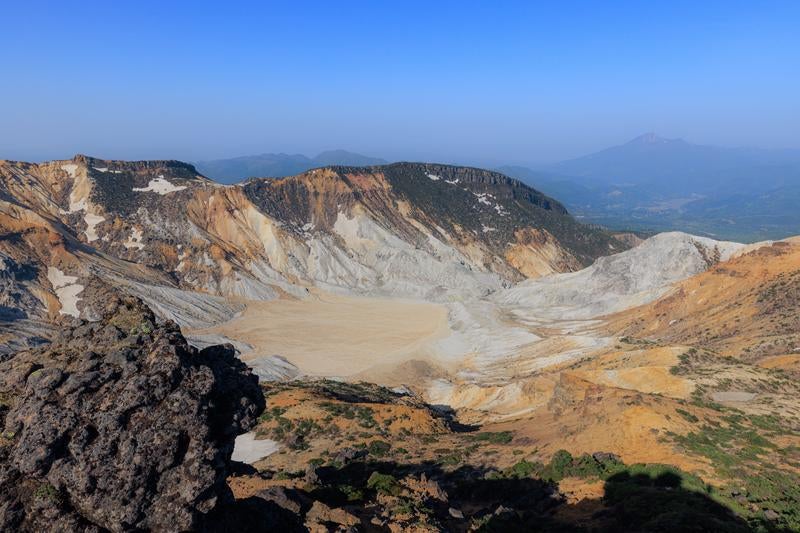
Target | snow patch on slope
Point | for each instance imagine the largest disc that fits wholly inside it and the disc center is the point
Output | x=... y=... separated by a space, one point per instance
x=161 y=186
x=91 y=226
x=248 y=449
x=67 y=291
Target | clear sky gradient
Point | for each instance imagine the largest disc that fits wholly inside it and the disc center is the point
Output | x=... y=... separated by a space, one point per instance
x=499 y=82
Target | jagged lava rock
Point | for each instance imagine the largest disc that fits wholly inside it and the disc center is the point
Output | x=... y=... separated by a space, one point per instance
x=126 y=425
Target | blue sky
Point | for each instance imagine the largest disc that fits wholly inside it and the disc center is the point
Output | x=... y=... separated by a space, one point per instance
x=498 y=82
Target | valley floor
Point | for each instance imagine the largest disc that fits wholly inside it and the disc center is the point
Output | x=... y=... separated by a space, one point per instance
x=336 y=335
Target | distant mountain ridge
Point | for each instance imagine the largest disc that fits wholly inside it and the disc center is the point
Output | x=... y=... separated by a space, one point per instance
x=675 y=165
x=652 y=183
x=278 y=165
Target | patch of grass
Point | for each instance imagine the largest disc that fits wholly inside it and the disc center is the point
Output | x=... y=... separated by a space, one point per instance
x=271 y=414
x=740 y=449
x=46 y=491
x=364 y=415
x=688 y=416
x=494 y=437
x=284 y=474
x=361 y=392
x=638 y=342
x=378 y=448
x=452 y=459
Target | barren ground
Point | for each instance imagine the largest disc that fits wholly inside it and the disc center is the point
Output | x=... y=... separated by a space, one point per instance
x=333 y=335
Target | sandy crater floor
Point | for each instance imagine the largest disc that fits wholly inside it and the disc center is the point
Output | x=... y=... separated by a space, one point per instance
x=334 y=335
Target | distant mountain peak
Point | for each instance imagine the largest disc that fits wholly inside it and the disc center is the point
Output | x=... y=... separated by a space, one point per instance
x=337 y=152
x=651 y=138
x=280 y=164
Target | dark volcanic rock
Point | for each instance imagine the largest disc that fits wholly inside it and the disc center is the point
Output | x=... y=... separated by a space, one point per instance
x=120 y=424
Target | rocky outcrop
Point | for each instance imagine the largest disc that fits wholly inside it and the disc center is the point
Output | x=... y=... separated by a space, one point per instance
x=121 y=425
x=15 y=297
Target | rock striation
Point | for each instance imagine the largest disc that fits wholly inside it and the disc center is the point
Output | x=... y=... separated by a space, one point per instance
x=120 y=425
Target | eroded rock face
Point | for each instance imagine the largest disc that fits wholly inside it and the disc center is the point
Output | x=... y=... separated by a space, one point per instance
x=120 y=424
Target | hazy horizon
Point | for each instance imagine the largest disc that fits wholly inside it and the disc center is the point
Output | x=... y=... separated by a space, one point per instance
x=499 y=85
x=469 y=160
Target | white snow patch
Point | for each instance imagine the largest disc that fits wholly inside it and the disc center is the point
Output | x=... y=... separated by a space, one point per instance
x=134 y=240
x=106 y=169
x=91 y=226
x=482 y=198
x=500 y=210
x=66 y=290
x=452 y=182
x=487 y=229
x=434 y=177
x=58 y=279
x=246 y=449
x=307 y=227
x=161 y=186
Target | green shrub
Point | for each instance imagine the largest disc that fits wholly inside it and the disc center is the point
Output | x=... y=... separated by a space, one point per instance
x=46 y=491
x=384 y=483
x=560 y=465
x=523 y=469
x=351 y=493
x=378 y=448
x=494 y=437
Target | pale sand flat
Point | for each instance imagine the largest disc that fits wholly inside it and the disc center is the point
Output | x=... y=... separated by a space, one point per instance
x=334 y=335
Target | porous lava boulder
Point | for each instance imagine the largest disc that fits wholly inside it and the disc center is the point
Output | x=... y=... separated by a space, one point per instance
x=119 y=424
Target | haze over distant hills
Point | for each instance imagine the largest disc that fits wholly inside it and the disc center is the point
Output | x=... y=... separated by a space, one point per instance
x=678 y=166
x=653 y=183
x=279 y=165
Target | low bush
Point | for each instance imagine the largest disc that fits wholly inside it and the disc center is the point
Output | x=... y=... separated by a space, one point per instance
x=494 y=437
x=383 y=483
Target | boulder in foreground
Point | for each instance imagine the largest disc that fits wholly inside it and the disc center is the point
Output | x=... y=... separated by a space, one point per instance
x=120 y=424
